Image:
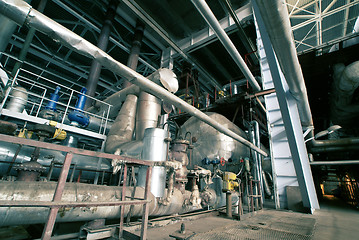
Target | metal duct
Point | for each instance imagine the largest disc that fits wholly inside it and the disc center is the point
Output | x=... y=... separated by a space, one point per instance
x=20 y=12
x=276 y=19
x=8 y=150
x=212 y=144
x=154 y=149
x=73 y=192
x=346 y=81
x=149 y=110
x=123 y=127
x=18 y=100
x=208 y=15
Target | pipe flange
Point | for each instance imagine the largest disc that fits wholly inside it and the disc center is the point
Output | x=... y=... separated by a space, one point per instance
x=30 y=167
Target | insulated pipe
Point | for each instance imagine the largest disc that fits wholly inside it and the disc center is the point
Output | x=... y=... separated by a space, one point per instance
x=73 y=192
x=95 y=69
x=21 y=12
x=122 y=129
x=276 y=19
x=212 y=21
x=341 y=162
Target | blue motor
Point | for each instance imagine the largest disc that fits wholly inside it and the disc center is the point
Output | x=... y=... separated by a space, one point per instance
x=77 y=117
x=54 y=98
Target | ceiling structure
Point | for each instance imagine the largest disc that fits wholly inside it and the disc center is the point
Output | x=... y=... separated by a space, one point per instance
x=174 y=29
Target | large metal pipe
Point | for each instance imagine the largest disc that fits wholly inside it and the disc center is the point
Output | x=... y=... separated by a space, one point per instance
x=341 y=162
x=276 y=20
x=103 y=39
x=87 y=164
x=21 y=12
x=212 y=21
x=73 y=192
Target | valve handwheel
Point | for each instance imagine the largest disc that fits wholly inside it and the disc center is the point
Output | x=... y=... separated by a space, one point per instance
x=222 y=161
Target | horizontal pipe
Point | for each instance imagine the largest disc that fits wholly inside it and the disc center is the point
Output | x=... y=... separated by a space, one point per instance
x=341 y=162
x=21 y=12
x=210 y=18
x=30 y=200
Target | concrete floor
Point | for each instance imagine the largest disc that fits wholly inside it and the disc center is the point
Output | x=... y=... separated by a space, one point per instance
x=334 y=220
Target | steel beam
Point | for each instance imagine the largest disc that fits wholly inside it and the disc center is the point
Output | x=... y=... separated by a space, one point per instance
x=291 y=120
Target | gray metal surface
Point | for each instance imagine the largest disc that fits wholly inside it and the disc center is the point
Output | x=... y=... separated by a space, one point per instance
x=154 y=149
x=148 y=112
x=212 y=144
x=21 y=12
x=264 y=226
x=18 y=99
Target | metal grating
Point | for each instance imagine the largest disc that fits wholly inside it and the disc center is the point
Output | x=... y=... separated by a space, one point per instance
x=268 y=227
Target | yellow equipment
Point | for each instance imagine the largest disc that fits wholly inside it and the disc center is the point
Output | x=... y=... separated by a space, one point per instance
x=229 y=181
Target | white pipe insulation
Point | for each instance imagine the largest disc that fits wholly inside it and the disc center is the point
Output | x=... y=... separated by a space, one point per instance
x=21 y=12
x=276 y=20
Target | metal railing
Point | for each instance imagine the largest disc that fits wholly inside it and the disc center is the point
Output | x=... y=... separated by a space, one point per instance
x=56 y=202
x=38 y=87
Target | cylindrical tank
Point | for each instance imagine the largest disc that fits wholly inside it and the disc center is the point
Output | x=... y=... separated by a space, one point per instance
x=18 y=100
x=149 y=109
x=154 y=149
x=214 y=145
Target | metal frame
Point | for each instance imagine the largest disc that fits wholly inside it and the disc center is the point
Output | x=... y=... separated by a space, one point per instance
x=291 y=120
x=314 y=12
x=56 y=203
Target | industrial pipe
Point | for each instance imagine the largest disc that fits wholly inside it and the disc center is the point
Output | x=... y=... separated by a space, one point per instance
x=73 y=192
x=103 y=39
x=21 y=12
x=341 y=162
x=212 y=21
x=276 y=19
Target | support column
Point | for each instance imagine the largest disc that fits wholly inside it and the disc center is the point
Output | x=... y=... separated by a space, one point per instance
x=135 y=49
x=290 y=115
x=30 y=35
x=103 y=39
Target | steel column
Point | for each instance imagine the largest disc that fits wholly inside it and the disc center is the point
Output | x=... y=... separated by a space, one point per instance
x=291 y=120
x=49 y=226
x=95 y=69
x=135 y=49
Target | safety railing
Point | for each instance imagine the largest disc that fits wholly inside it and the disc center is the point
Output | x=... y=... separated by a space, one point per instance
x=56 y=202
x=38 y=91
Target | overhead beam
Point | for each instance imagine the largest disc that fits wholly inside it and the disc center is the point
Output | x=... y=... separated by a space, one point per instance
x=166 y=37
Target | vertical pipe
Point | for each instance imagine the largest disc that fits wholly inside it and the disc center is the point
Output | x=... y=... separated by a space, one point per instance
x=135 y=49
x=30 y=35
x=123 y=198
x=103 y=39
x=49 y=226
x=229 y=204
